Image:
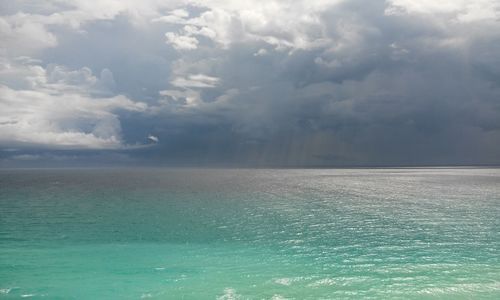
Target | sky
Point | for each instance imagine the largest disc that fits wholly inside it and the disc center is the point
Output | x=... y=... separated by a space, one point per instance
x=304 y=83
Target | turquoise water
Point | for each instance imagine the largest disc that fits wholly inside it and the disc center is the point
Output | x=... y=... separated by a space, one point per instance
x=250 y=234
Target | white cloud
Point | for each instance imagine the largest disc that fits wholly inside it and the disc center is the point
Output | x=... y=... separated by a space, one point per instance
x=177 y=16
x=188 y=95
x=153 y=138
x=181 y=42
x=281 y=24
x=56 y=108
x=261 y=52
x=196 y=81
x=20 y=35
x=185 y=98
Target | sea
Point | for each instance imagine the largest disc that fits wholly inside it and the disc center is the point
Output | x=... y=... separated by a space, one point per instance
x=159 y=233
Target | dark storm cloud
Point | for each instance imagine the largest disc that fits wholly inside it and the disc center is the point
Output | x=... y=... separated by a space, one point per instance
x=228 y=83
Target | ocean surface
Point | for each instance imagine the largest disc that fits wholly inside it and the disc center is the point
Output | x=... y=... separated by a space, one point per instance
x=250 y=234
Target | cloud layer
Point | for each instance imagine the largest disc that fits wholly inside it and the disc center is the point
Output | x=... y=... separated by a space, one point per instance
x=302 y=83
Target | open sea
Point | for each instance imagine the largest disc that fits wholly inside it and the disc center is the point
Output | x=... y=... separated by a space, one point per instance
x=250 y=234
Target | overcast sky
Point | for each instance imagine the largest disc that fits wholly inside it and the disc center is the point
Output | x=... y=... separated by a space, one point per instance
x=249 y=83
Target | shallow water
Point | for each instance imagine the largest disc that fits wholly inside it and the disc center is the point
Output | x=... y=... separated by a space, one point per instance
x=250 y=234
